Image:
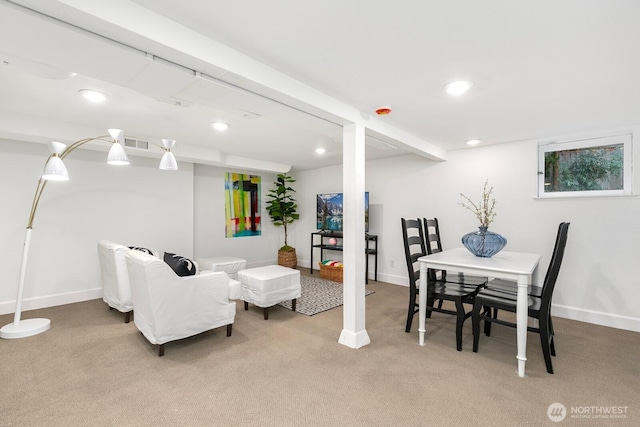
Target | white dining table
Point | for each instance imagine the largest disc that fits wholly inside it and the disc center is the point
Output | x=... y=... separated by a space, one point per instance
x=517 y=266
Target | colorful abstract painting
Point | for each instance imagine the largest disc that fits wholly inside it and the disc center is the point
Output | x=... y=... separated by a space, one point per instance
x=242 y=205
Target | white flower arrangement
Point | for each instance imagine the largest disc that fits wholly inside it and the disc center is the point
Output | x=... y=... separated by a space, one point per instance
x=485 y=210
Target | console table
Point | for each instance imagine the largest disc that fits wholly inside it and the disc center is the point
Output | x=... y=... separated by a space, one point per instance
x=323 y=245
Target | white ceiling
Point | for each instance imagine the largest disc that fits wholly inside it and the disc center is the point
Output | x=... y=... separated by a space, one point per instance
x=540 y=69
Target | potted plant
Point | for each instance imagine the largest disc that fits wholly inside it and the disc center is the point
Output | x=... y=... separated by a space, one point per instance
x=282 y=210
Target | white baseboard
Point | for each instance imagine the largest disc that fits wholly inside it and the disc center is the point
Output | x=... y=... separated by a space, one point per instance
x=589 y=316
x=393 y=279
x=611 y=320
x=8 y=307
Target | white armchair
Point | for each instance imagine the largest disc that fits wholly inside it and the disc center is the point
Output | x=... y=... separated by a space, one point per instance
x=169 y=307
x=115 y=279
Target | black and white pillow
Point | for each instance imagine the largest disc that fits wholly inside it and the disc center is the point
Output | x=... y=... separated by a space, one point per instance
x=141 y=249
x=181 y=265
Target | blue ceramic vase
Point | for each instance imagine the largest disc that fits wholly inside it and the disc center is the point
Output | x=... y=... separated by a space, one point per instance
x=484 y=243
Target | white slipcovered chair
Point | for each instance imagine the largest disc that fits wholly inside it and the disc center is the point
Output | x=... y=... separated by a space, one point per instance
x=169 y=307
x=115 y=279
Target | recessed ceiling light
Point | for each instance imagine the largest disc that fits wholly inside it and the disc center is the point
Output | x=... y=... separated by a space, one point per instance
x=473 y=141
x=458 y=87
x=320 y=150
x=93 y=95
x=220 y=126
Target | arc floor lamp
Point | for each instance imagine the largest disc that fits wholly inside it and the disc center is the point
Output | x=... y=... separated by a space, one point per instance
x=55 y=170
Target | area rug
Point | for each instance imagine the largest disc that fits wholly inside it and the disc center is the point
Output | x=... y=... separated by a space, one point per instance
x=318 y=295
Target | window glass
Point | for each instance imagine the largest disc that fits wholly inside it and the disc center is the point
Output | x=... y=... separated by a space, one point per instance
x=597 y=166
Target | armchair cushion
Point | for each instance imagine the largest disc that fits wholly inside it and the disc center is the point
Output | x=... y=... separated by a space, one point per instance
x=180 y=265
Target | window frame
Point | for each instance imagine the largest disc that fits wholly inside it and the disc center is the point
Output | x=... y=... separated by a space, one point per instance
x=626 y=139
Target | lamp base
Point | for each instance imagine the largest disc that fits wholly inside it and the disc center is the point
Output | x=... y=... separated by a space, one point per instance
x=24 y=328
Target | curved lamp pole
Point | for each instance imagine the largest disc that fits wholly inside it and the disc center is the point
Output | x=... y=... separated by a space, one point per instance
x=55 y=170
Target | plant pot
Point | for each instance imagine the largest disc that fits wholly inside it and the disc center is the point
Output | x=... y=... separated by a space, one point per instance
x=484 y=243
x=288 y=258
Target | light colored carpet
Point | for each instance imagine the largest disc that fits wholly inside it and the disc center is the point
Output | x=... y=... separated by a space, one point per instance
x=318 y=295
x=92 y=369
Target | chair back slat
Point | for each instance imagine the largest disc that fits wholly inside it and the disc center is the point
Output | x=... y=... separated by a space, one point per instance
x=554 y=266
x=432 y=232
x=433 y=245
x=414 y=248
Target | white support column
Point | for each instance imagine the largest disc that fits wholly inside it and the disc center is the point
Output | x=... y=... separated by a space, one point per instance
x=353 y=334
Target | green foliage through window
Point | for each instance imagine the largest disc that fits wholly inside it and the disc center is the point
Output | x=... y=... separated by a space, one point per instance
x=586 y=167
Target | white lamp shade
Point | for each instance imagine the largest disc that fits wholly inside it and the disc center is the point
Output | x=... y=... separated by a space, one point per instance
x=57 y=147
x=168 y=162
x=116 y=134
x=168 y=143
x=55 y=170
x=117 y=155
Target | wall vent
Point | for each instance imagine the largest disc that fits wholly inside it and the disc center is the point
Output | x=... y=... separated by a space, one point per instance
x=136 y=143
x=249 y=114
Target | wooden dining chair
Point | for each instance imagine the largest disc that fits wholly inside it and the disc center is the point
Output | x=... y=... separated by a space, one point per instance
x=437 y=290
x=434 y=245
x=510 y=287
x=489 y=301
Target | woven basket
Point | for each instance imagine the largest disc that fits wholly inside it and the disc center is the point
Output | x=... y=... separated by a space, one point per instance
x=288 y=259
x=330 y=272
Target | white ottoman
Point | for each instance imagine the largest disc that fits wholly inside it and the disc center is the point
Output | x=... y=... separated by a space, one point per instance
x=269 y=285
x=228 y=264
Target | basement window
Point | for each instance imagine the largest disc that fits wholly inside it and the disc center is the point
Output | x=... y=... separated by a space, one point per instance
x=588 y=167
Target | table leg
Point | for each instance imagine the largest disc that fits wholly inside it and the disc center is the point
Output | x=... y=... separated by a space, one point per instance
x=422 y=303
x=522 y=308
x=311 y=256
x=366 y=264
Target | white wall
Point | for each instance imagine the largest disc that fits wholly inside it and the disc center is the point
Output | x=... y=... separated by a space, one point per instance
x=209 y=210
x=183 y=212
x=597 y=281
x=133 y=205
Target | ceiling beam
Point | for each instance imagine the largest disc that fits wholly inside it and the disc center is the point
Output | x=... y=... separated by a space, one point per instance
x=133 y=25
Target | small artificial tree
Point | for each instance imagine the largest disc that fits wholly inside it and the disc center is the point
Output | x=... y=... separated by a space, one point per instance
x=282 y=206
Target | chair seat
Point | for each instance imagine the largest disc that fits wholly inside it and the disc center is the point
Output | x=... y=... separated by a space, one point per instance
x=511 y=287
x=506 y=301
x=450 y=291
x=465 y=279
